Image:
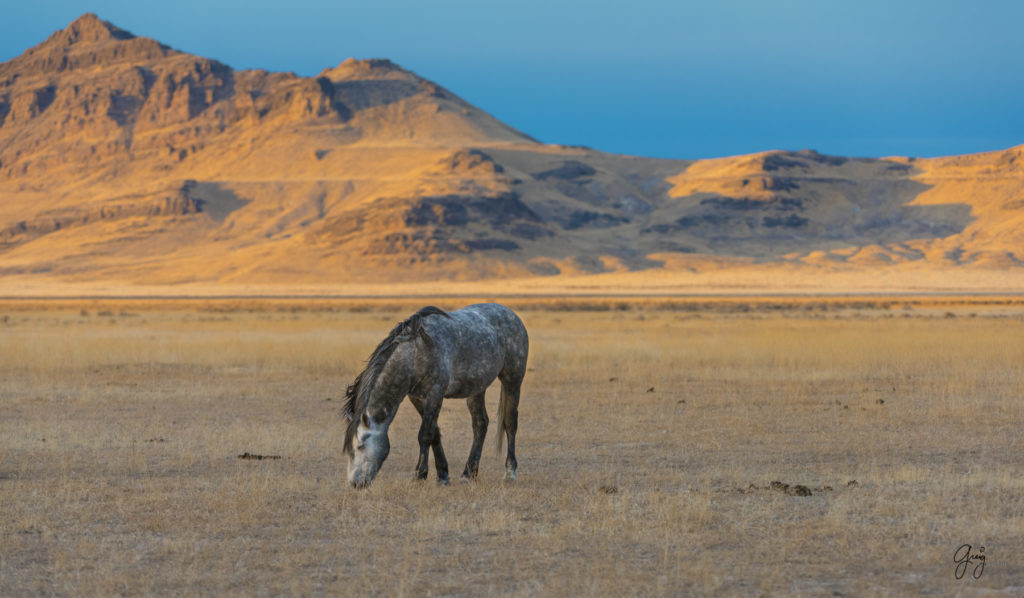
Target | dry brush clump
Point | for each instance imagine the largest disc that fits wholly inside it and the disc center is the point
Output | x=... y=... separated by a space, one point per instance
x=660 y=454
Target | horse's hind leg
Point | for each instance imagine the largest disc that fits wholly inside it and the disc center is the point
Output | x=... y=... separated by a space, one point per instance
x=440 y=462
x=479 y=413
x=509 y=406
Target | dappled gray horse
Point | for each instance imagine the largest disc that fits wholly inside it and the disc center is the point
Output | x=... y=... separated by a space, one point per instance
x=431 y=356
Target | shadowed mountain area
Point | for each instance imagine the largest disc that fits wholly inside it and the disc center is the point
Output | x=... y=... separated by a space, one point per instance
x=125 y=160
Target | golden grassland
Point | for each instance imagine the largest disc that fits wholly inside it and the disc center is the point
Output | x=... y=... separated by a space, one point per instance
x=651 y=431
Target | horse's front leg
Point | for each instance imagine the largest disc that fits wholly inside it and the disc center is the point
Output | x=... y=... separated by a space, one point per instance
x=430 y=438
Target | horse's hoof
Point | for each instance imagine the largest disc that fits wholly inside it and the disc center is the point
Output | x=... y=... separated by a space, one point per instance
x=510 y=476
x=443 y=482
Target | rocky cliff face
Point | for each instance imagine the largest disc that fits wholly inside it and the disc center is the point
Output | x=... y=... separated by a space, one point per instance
x=125 y=159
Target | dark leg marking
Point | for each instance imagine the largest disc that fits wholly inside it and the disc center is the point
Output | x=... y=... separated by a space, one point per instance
x=430 y=437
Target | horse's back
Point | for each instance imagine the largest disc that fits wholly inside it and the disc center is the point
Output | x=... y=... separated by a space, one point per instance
x=503 y=319
x=486 y=340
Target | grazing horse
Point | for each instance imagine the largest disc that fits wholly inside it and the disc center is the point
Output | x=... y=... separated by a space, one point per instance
x=431 y=356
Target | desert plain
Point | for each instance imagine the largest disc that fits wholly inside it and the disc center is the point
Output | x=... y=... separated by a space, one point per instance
x=667 y=446
x=781 y=373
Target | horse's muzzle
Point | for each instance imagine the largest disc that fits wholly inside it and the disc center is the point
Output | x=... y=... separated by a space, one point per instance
x=362 y=475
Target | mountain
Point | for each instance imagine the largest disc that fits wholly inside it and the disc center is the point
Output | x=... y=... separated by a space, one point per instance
x=125 y=161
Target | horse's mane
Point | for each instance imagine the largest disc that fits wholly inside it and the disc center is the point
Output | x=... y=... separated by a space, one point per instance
x=357 y=395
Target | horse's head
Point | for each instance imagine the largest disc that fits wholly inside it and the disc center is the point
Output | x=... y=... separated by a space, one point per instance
x=367 y=448
x=371 y=403
x=372 y=399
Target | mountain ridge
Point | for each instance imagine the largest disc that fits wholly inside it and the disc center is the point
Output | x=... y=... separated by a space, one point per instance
x=126 y=160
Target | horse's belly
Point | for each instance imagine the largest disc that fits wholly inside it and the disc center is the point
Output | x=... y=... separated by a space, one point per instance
x=461 y=388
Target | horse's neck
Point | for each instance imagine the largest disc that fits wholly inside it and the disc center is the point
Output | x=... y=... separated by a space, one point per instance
x=395 y=379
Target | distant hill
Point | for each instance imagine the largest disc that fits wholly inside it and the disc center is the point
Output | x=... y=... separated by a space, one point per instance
x=127 y=162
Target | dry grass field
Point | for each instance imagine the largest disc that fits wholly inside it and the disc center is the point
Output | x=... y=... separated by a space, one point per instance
x=652 y=435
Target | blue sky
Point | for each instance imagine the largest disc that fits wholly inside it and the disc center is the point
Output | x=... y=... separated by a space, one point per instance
x=666 y=79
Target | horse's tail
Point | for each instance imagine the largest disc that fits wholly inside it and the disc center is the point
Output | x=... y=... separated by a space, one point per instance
x=499 y=429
